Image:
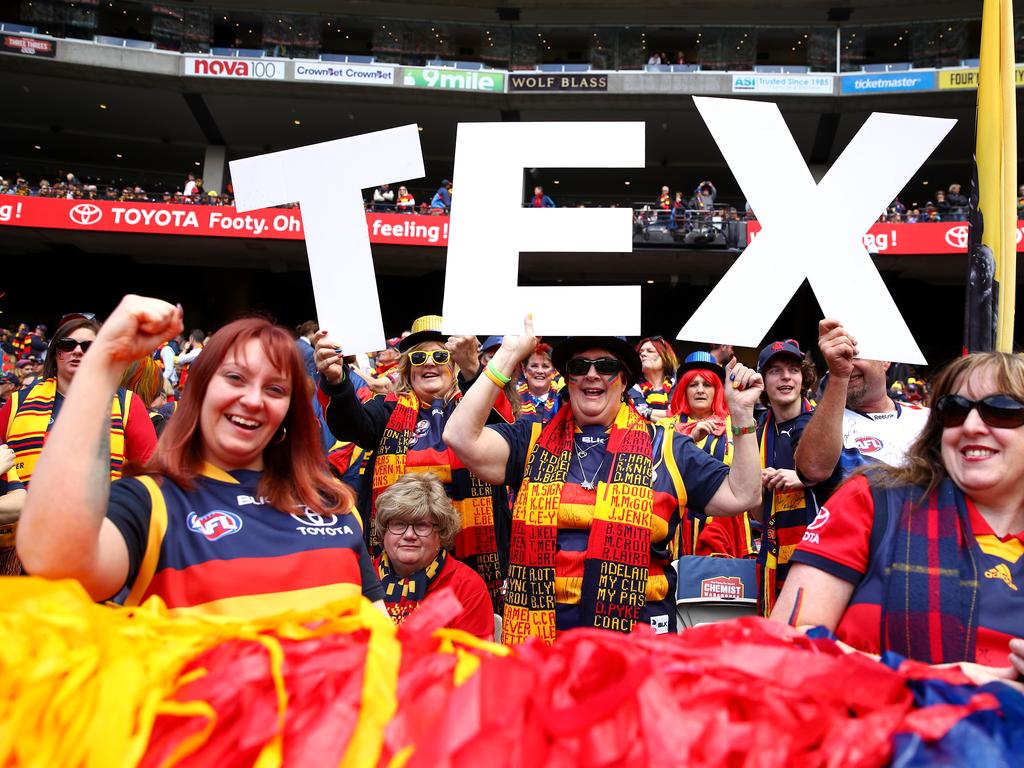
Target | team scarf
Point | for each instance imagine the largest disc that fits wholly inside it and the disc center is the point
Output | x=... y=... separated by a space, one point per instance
x=537 y=408
x=476 y=544
x=31 y=422
x=785 y=514
x=617 y=564
x=656 y=397
x=403 y=595
x=930 y=606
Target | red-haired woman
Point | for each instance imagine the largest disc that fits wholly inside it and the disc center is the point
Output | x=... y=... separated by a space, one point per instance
x=699 y=403
x=229 y=517
x=539 y=392
x=651 y=393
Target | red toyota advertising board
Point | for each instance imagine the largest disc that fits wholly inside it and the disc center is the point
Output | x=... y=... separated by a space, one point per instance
x=911 y=239
x=204 y=220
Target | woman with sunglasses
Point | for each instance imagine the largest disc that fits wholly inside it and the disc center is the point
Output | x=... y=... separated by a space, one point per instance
x=925 y=559
x=28 y=417
x=651 y=394
x=599 y=489
x=417 y=524
x=404 y=430
x=230 y=515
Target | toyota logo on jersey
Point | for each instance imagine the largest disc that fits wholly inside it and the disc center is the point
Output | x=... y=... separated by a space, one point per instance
x=85 y=214
x=215 y=524
x=309 y=517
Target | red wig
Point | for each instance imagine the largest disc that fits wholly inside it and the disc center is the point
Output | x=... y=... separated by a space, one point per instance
x=679 y=403
x=295 y=470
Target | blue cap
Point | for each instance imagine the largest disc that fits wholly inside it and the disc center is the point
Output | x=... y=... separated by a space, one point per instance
x=491 y=342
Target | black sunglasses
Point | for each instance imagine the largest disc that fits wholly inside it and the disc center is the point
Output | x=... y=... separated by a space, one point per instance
x=580 y=366
x=1002 y=411
x=67 y=344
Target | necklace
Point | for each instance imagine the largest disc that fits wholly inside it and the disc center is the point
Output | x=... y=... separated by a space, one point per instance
x=588 y=484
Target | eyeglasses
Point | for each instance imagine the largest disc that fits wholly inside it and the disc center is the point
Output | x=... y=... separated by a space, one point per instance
x=580 y=366
x=439 y=356
x=67 y=344
x=421 y=528
x=1000 y=411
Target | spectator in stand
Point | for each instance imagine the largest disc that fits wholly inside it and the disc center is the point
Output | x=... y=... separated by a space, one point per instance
x=680 y=58
x=26 y=419
x=655 y=59
x=8 y=383
x=418 y=524
x=306 y=333
x=722 y=353
x=442 y=200
x=658 y=363
x=942 y=206
x=198 y=193
x=541 y=385
x=958 y=203
x=405 y=203
x=190 y=186
x=932 y=216
x=704 y=196
x=383 y=198
x=913 y=216
x=540 y=200
x=28 y=369
x=897 y=207
x=35 y=342
x=664 y=199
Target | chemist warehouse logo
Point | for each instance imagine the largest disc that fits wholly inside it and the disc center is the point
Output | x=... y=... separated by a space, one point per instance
x=215 y=524
x=315 y=524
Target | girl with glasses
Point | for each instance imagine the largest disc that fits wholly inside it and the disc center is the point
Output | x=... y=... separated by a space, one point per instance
x=418 y=524
x=925 y=559
x=220 y=520
x=404 y=429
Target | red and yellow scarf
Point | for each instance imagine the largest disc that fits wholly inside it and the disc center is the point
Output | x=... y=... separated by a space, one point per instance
x=31 y=422
x=615 y=573
x=475 y=544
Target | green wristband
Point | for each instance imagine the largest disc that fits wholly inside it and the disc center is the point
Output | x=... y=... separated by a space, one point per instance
x=498 y=374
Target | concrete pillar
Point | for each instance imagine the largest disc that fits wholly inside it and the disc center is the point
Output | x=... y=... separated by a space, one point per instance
x=214 y=167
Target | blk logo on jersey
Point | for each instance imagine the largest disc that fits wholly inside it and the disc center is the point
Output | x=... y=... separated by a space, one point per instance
x=215 y=524
x=868 y=444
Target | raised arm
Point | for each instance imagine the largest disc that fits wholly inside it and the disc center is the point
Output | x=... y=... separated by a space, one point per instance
x=63 y=531
x=742 y=487
x=346 y=417
x=483 y=451
x=822 y=440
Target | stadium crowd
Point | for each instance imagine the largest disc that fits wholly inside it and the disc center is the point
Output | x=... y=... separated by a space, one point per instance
x=546 y=486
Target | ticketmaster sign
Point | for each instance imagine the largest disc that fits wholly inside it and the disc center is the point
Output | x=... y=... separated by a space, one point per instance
x=888 y=82
x=453 y=79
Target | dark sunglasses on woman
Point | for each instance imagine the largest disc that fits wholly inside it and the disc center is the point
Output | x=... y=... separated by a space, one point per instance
x=439 y=356
x=1001 y=411
x=580 y=366
x=67 y=344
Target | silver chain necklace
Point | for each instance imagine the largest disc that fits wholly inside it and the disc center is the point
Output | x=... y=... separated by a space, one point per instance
x=588 y=484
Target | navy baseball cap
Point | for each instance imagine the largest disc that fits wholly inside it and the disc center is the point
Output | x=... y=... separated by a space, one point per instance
x=9 y=378
x=788 y=347
x=491 y=342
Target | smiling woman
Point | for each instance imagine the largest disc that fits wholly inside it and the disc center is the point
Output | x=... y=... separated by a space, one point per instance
x=927 y=559
x=205 y=528
x=404 y=430
x=599 y=489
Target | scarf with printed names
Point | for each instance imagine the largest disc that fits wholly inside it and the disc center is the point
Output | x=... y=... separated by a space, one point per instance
x=930 y=607
x=30 y=422
x=403 y=595
x=476 y=544
x=785 y=514
x=615 y=571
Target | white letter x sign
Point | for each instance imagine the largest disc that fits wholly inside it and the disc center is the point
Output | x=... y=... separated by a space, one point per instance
x=809 y=230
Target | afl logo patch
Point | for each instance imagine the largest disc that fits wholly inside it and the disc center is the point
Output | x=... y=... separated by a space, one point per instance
x=868 y=444
x=215 y=524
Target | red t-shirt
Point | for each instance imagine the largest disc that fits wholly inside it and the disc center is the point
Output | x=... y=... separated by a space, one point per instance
x=477 y=615
x=838 y=542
